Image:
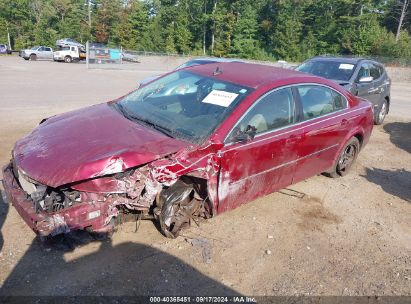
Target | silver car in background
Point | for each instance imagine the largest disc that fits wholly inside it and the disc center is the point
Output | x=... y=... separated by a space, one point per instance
x=69 y=42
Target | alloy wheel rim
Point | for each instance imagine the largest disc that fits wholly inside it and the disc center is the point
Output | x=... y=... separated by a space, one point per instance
x=347 y=158
x=383 y=111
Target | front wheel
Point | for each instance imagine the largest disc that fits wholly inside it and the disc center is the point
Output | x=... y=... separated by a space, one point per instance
x=176 y=207
x=346 y=158
x=381 y=113
x=33 y=57
x=68 y=59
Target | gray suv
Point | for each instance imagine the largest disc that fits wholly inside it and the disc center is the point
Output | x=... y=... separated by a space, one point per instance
x=362 y=77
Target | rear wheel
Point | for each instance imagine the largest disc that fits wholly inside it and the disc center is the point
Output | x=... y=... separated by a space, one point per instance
x=381 y=113
x=346 y=158
x=33 y=57
x=68 y=59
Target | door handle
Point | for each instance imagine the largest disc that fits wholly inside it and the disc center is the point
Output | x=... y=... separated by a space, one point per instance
x=374 y=91
x=344 y=122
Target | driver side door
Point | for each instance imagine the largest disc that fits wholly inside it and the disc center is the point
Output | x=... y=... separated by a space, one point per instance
x=264 y=164
x=40 y=52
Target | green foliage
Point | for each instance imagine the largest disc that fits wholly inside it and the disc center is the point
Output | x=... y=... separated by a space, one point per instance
x=360 y=35
x=258 y=29
x=3 y=30
x=245 y=43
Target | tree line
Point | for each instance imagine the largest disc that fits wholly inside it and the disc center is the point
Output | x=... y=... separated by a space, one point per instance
x=257 y=29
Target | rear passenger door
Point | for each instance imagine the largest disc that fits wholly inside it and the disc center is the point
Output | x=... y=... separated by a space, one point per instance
x=378 y=84
x=324 y=128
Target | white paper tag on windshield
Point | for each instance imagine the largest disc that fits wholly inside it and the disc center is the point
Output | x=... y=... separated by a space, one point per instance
x=220 y=98
x=346 y=66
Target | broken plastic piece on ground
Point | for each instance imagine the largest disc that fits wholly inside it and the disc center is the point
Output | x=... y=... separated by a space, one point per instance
x=291 y=192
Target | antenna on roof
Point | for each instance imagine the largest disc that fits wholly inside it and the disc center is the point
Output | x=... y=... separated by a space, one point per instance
x=217 y=71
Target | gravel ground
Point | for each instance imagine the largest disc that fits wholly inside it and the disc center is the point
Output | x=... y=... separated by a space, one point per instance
x=347 y=236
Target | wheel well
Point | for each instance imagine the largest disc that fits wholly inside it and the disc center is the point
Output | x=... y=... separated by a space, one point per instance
x=360 y=138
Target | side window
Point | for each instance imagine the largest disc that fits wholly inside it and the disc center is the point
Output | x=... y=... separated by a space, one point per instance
x=375 y=71
x=382 y=71
x=48 y=49
x=364 y=71
x=318 y=100
x=273 y=111
x=339 y=101
x=72 y=49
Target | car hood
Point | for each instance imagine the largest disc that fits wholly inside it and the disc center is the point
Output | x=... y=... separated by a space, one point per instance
x=88 y=143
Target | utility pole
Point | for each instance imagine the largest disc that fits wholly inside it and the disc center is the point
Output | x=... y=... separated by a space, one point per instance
x=403 y=12
x=204 y=27
x=89 y=13
x=213 y=30
x=8 y=35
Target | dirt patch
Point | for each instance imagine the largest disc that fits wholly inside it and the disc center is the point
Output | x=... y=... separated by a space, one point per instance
x=313 y=214
x=314 y=217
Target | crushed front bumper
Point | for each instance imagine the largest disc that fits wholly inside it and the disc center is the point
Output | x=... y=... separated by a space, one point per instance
x=45 y=224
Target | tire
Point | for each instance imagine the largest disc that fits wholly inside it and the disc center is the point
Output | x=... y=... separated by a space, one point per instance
x=68 y=59
x=26 y=58
x=381 y=113
x=176 y=206
x=345 y=160
x=33 y=57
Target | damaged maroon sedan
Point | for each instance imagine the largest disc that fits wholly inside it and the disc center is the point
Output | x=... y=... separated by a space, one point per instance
x=189 y=145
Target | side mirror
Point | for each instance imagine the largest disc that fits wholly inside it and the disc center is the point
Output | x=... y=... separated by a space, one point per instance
x=242 y=137
x=366 y=79
x=247 y=135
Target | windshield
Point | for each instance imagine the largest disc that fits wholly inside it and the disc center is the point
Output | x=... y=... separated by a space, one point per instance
x=35 y=47
x=328 y=69
x=65 y=48
x=183 y=104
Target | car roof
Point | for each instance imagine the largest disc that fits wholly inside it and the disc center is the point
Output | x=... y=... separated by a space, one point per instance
x=250 y=74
